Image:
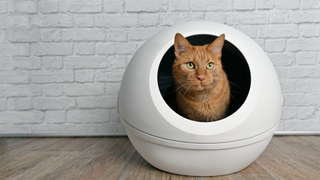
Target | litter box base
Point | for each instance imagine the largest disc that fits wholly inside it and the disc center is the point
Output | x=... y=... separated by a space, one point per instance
x=195 y=159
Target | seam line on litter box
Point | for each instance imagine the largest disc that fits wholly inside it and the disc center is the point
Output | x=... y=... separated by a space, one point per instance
x=161 y=138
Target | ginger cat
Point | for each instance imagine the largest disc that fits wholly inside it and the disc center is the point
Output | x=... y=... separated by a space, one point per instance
x=201 y=85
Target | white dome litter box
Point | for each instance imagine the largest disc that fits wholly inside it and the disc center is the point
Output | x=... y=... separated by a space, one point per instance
x=178 y=145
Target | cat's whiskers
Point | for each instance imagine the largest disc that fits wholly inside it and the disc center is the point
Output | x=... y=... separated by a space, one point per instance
x=186 y=90
x=234 y=84
x=177 y=89
x=225 y=90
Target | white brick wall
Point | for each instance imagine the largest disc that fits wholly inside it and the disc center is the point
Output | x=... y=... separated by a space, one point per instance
x=62 y=61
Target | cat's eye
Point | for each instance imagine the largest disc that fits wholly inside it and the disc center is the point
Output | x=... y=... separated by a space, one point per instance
x=210 y=66
x=190 y=65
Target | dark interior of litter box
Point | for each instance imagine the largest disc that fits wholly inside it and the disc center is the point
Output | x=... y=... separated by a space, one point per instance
x=234 y=64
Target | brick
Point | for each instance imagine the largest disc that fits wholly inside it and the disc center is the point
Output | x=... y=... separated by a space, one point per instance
x=2 y=36
x=282 y=72
x=81 y=6
x=303 y=125
x=275 y=45
x=48 y=6
x=53 y=90
x=53 y=103
x=116 y=20
x=55 y=117
x=109 y=76
x=313 y=99
x=288 y=85
x=23 y=35
x=85 y=62
x=3 y=104
x=215 y=17
x=85 y=128
x=44 y=49
x=114 y=116
x=214 y=5
x=54 y=128
x=51 y=35
x=52 y=62
x=146 y=5
x=21 y=117
x=97 y=102
x=288 y=113
x=20 y=90
x=310 y=44
x=278 y=31
x=247 y=18
x=281 y=59
x=112 y=89
x=149 y=19
x=170 y=19
x=52 y=20
x=304 y=71
x=87 y=89
x=83 y=34
x=302 y=99
x=110 y=127
x=84 y=20
x=20 y=77
x=84 y=48
x=307 y=58
x=20 y=104
x=15 y=128
x=296 y=99
x=310 y=16
x=117 y=62
x=244 y=4
x=88 y=116
x=27 y=63
x=310 y=4
x=23 y=6
x=7 y=63
x=117 y=35
x=116 y=48
x=14 y=21
x=306 y=112
x=285 y=4
x=281 y=125
x=84 y=75
x=307 y=85
x=280 y=17
x=3 y=7
x=113 y=6
x=14 y=50
x=52 y=76
x=142 y=34
x=310 y=30
x=176 y=5
x=251 y=31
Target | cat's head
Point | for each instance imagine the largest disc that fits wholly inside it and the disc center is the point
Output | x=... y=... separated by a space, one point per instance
x=197 y=68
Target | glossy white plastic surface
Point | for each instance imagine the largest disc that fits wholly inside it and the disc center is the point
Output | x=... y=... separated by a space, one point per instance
x=142 y=106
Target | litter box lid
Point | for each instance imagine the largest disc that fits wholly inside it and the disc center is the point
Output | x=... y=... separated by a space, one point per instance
x=142 y=106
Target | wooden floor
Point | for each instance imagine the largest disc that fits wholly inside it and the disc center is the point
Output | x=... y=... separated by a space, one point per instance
x=286 y=157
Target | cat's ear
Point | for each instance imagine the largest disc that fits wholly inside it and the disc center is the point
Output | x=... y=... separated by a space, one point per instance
x=181 y=45
x=216 y=46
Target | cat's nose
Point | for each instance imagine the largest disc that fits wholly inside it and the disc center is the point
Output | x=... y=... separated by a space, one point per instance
x=201 y=77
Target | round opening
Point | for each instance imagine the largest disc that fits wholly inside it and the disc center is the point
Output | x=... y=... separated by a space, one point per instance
x=234 y=64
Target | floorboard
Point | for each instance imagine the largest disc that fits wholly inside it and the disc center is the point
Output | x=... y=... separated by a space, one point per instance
x=114 y=158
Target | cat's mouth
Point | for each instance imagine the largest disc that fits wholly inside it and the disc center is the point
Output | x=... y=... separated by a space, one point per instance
x=200 y=86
